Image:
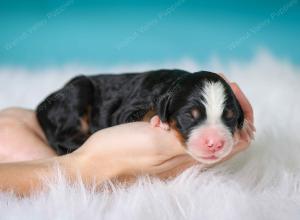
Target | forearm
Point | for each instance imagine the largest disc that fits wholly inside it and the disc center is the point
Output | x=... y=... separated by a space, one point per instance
x=24 y=178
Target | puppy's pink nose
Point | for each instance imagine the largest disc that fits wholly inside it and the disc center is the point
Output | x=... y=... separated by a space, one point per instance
x=214 y=145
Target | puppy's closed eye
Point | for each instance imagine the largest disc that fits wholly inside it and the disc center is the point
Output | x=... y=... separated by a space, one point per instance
x=229 y=113
x=195 y=113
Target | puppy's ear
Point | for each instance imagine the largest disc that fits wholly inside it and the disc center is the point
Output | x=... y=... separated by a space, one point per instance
x=162 y=107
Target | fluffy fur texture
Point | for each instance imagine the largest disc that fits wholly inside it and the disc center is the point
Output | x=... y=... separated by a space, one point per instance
x=260 y=183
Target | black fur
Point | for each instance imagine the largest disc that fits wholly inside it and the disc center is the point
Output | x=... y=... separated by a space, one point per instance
x=108 y=100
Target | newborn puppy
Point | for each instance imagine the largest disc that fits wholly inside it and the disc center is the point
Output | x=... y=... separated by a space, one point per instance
x=200 y=106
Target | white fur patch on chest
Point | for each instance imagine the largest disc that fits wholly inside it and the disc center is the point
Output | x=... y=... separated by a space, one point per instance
x=214 y=100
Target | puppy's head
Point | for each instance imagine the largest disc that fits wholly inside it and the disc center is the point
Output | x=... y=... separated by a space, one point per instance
x=205 y=112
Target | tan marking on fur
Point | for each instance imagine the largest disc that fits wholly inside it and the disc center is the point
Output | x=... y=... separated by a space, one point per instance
x=85 y=121
x=177 y=132
x=147 y=117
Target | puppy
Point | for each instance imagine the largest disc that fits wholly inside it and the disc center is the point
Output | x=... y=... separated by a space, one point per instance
x=200 y=106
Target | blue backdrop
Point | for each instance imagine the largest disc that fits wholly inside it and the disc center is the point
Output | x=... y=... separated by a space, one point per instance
x=39 y=33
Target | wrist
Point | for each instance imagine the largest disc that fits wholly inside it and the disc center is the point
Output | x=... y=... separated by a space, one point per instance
x=92 y=169
x=69 y=166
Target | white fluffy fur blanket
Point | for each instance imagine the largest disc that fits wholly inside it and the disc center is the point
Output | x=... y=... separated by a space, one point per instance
x=261 y=183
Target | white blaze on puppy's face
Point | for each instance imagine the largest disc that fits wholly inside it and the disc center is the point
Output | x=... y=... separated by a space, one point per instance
x=212 y=140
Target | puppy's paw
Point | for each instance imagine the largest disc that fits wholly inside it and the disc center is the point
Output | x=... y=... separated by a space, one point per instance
x=156 y=122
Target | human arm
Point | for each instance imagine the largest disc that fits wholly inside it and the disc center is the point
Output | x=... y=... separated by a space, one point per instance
x=124 y=150
x=24 y=178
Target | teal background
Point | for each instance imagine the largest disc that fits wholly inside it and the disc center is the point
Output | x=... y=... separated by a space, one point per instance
x=46 y=33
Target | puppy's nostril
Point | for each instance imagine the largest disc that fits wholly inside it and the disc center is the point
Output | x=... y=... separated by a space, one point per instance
x=210 y=143
x=220 y=145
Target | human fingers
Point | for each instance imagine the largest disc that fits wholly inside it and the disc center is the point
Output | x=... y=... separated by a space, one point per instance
x=249 y=129
x=244 y=136
x=252 y=126
x=244 y=102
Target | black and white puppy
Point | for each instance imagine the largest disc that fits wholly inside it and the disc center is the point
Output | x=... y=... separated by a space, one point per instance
x=200 y=106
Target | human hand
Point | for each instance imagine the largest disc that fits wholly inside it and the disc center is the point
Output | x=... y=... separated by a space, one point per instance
x=132 y=149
